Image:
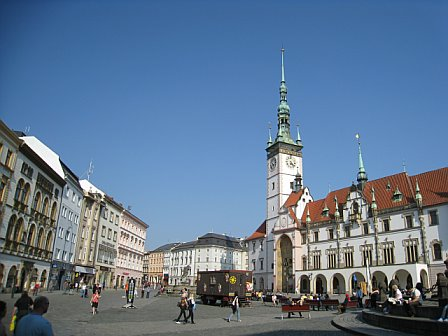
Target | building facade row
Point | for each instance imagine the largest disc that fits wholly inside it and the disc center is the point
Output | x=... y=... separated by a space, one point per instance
x=56 y=230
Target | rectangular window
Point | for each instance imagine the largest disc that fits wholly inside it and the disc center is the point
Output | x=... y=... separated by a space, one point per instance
x=367 y=255
x=58 y=253
x=388 y=254
x=332 y=262
x=433 y=218
x=409 y=223
x=67 y=235
x=103 y=231
x=8 y=161
x=348 y=255
x=365 y=227
x=261 y=245
x=330 y=234
x=386 y=225
x=115 y=236
x=316 y=261
x=347 y=231
x=303 y=235
x=411 y=246
x=253 y=264
x=253 y=247
x=261 y=263
x=316 y=236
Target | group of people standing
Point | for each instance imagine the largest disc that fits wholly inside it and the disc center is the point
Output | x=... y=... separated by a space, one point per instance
x=27 y=317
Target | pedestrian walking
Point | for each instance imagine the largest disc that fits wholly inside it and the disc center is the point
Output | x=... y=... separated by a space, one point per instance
x=36 y=289
x=94 y=302
x=2 y=315
x=359 y=295
x=34 y=323
x=83 y=290
x=191 y=308
x=147 y=290
x=183 y=306
x=21 y=307
x=235 y=308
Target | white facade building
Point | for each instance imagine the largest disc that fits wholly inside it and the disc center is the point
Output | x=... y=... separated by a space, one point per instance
x=209 y=252
x=131 y=249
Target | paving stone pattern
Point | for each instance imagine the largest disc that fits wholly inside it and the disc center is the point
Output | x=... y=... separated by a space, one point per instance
x=71 y=315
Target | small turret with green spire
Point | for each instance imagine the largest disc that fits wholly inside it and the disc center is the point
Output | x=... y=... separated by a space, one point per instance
x=362 y=175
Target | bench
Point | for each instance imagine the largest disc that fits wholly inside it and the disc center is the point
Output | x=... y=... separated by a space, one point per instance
x=305 y=308
x=330 y=303
x=313 y=303
x=352 y=304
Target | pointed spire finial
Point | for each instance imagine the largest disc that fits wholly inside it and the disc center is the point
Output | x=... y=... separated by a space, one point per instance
x=418 y=195
x=283 y=132
x=283 y=64
x=374 y=206
x=362 y=176
x=299 y=139
x=270 y=137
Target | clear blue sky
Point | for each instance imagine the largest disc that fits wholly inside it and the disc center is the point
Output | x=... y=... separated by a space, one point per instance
x=172 y=99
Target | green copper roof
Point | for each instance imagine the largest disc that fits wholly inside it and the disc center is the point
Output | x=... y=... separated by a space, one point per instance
x=283 y=132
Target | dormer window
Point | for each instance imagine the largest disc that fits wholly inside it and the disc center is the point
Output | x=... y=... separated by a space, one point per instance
x=325 y=211
x=398 y=196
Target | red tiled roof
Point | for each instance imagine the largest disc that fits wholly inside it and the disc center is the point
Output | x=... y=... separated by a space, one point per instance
x=433 y=187
x=259 y=233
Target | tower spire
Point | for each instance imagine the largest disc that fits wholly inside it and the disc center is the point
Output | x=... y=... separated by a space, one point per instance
x=362 y=175
x=283 y=132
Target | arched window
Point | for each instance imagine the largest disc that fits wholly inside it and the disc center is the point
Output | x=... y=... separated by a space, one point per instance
x=26 y=194
x=40 y=238
x=19 y=190
x=53 y=211
x=36 y=203
x=437 y=248
x=18 y=228
x=45 y=207
x=31 y=234
x=49 y=241
x=11 y=226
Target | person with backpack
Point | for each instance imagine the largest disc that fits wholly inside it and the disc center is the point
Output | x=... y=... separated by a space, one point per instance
x=235 y=308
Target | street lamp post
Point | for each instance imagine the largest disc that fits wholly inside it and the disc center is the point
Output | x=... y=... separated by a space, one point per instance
x=310 y=278
x=14 y=279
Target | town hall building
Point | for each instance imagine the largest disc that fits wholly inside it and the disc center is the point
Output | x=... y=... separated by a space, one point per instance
x=394 y=227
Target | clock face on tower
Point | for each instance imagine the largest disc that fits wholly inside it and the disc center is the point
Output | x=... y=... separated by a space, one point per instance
x=291 y=162
x=273 y=163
